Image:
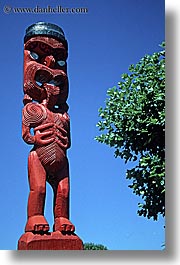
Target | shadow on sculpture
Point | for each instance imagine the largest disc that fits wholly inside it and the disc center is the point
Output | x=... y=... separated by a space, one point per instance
x=46 y=126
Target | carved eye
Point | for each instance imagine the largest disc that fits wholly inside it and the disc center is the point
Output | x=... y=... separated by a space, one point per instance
x=34 y=55
x=61 y=63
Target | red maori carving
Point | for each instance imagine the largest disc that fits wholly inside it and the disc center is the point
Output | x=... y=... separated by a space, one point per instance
x=46 y=126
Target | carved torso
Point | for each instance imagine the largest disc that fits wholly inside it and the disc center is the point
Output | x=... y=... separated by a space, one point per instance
x=51 y=155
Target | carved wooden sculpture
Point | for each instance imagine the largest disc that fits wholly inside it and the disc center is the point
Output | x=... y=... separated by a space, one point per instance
x=46 y=125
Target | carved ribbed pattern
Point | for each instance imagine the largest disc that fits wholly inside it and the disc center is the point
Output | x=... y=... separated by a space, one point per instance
x=33 y=114
x=51 y=156
x=57 y=119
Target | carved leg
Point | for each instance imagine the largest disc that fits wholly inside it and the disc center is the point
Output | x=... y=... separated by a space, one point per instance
x=37 y=182
x=61 y=205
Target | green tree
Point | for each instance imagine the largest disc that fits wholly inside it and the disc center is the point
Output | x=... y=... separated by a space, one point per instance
x=133 y=122
x=92 y=246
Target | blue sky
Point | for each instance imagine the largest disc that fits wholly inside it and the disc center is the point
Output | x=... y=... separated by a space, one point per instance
x=102 y=44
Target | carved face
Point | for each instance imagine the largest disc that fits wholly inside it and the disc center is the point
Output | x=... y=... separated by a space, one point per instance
x=45 y=70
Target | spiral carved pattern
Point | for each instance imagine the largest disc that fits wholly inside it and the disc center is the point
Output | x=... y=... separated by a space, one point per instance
x=33 y=114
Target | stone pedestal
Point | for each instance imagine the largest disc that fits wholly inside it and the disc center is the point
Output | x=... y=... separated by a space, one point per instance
x=51 y=241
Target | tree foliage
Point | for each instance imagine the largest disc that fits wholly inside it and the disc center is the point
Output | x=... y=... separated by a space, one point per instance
x=92 y=246
x=133 y=122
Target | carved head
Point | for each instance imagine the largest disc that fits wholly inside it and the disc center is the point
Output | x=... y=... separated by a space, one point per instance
x=45 y=67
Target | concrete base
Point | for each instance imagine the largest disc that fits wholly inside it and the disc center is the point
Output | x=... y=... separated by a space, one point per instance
x=51 y=241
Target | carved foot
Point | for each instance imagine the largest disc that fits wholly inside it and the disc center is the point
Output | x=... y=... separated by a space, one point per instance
x=64 y=225
x=37 y=224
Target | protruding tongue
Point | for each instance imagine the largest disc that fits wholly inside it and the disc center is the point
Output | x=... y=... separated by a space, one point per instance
x=43 y=76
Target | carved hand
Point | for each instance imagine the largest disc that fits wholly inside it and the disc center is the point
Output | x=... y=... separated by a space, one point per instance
x=39 y=137
x=61 y=137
